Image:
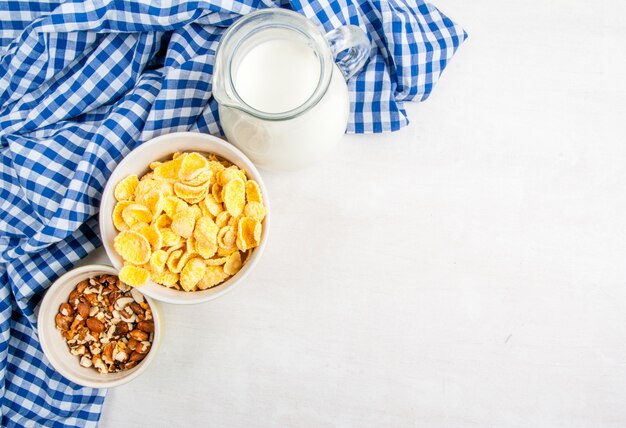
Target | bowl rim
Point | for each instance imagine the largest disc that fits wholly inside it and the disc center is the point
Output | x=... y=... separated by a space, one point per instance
x=231 y=282
x=45 y=332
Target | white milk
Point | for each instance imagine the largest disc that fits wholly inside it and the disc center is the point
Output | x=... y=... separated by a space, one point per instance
x=277 y=71
x=277 y=75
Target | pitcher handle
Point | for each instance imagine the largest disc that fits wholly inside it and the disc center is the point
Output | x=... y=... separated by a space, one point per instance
x=355 y=41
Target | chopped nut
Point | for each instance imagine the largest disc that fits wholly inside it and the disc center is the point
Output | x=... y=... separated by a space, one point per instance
x=95 y=325
x=143 y=347
x=128 y=315
x=85 y=361
x=107 y=352
x=129 y=365
x=62 y=322
x=137 y=296
x=77 y=323
x=122 y=302
x=80 y=287
x=132 y=344
x=121 y=356
x=115 y=294
x=73 y=298
x=66 y=310
x=136 y=356
x=139 y=335
x=92 y=299
x=111 y=331
x=78 y=350
x=98 y=321
x=99 y=364
x=122 y=328
x=83 y=309
x=137 y=309
x=147 y=326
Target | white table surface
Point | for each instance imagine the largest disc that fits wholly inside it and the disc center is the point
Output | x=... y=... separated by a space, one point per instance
x=467 y=271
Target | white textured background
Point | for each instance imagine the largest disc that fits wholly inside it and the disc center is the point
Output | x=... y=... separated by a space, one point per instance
x=468 y=271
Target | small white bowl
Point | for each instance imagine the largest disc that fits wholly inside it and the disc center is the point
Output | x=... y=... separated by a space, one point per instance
x=138 y=162
x=55 y=348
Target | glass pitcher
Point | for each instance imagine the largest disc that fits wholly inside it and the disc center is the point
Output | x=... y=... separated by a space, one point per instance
x=296 y=118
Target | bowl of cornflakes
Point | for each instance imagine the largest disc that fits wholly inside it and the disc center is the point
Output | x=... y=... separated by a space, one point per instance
x=185 y=217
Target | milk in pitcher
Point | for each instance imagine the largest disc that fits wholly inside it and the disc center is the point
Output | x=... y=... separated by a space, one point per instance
x=277 y=75
x=282 y=98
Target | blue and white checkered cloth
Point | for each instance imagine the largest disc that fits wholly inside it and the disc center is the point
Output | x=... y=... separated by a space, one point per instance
x=83 y=82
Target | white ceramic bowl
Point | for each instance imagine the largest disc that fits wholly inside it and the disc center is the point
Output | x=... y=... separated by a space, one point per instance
x=55 y=348
x=138 y=162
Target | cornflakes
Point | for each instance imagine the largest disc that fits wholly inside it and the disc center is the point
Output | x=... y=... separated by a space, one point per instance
x=147 y=185
x=192 y=165
x=136 y=213
x=196 y=212
x=169 y=170
x=215 y=167
x=151 y=233
x=216 y=191
x=183 y=223
x=172 y=204
x=190 y=194
x=256 y=210
x=133 y=247
x=118 y=220
x=134 y=276
x=233 y=264
x=233 y=221
x=206 y=249
x=230 y=174
x=212 y=277
x=167 y=278
x=216 y=262
x=154 y=202
x=206 y=230
x=248 y=233
x=157 y=261
x=203 y=178
x=227 y=238
x=225 y=252
x=222 y=219
x=125 y=189
x=192 y=273
x=189 y=224
x=162 y=221
x=234 y=195
x=253 y=192
x=173 y=260
x=211 y=205
x=168 y=237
